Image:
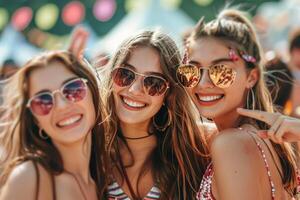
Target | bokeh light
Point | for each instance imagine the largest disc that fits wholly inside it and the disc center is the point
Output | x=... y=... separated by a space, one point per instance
x=3 y=17
x=203 y=2
x=21 y=18
x=73 y=13
x=46 y=16
x=104 y=9
x=131 y=5
x=171 y=4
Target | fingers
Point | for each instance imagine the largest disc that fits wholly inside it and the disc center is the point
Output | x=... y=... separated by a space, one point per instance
x=78 y=42
x=266 y=117
x=263 y=134
x=273 y=131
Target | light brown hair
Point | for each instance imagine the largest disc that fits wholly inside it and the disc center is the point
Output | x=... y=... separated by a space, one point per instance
x=19 y=136
x=178 y=161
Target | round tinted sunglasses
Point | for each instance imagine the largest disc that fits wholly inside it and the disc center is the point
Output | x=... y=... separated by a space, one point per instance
x=153 y=85
x=221 y=75
x=74 y=90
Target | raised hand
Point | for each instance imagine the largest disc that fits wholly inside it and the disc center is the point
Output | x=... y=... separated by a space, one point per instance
x=282 y=128
x=78 y=42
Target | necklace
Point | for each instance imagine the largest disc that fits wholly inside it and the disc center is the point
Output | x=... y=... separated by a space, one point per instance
x=135 y=138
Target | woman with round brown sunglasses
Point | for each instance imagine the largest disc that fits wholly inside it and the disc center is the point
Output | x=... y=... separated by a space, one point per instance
x=223 y=72
x=157 y=149
x=52 y=133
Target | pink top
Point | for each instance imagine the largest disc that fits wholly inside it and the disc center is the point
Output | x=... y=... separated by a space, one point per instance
x=205 y=190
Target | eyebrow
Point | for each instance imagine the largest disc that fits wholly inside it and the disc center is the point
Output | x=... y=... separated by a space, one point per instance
x=216 y=61
x=146 y=73
x=64 y=82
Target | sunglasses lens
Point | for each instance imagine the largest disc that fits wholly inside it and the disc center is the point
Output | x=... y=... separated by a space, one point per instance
x=155 y=86
x=41 y=104
x=222 y=76
x=188 y=75
x=75 y=90
x=123 y=77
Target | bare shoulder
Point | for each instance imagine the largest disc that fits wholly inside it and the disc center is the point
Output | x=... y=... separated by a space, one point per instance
x=235 y=156
x=27 y=179
x=21 y=183
x=233 y=143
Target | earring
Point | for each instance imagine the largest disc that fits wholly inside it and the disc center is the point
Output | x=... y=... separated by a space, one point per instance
x=251 y=107
x=43 y=135
x=162 y=127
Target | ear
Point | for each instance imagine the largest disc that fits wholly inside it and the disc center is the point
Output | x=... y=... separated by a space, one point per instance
x=253 y=77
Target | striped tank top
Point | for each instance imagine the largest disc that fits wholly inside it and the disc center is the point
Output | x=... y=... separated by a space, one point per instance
x=115 y=192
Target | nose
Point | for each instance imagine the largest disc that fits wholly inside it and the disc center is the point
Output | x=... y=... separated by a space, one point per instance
x=60 y=101
x=136 y=87
x=205 y=81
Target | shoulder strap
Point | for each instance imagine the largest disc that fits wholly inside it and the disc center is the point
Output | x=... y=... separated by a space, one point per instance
x=273 y=158
x=53 y=186
x=266 y=165
x=37 y=180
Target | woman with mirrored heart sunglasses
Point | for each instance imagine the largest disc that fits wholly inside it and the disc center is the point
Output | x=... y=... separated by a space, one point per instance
x=154 y=129
x=222 y=71
x=52 y=133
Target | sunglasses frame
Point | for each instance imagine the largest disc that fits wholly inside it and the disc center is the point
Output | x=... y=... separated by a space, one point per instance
x=200 y=74
x=144 y=76
x=60 y=90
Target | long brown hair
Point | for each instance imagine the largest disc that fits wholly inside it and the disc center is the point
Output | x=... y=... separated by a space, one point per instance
x=19 y=136
x=234 y=29
x=178 y=161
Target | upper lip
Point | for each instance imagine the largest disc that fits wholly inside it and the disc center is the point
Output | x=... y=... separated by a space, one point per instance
x=208 y=94
x=66 y=116
x=133 y=99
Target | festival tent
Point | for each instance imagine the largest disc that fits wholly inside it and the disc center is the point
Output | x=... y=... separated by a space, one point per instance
x=170 y=20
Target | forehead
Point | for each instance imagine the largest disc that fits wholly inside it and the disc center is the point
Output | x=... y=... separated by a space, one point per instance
x=145 y=59
x=207 y=49
x=50 y=77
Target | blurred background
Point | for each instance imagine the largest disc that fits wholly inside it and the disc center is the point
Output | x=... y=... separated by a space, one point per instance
x=30 y=26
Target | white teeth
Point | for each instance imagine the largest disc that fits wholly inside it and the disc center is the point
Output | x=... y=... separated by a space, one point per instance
x=210 y=98
x=69 y=121
x=133 y=103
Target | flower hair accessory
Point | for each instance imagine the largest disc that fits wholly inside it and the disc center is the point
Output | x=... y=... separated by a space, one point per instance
x=248 y=57
x=234 y=56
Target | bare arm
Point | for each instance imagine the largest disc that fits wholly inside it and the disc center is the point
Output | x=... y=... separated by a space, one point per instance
x=236 y=167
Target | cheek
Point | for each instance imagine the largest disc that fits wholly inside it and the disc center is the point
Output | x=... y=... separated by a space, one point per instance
x=190 y=91
x=157 y=103
x=44 y=123
x=90 y=108
x=116 y=89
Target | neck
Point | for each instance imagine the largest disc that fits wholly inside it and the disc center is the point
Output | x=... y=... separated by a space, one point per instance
x=230 y=120
x=144 y=143
x=76 y=158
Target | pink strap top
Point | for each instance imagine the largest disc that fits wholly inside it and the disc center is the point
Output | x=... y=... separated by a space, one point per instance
x=205 y=190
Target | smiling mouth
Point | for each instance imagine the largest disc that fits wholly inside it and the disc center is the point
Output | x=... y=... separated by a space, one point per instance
x=132 y=104
x=69 y=121
x=209 y=99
